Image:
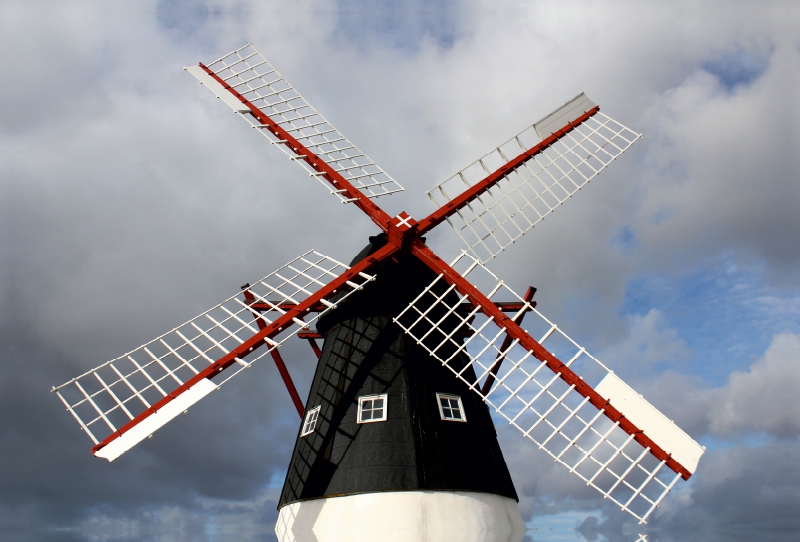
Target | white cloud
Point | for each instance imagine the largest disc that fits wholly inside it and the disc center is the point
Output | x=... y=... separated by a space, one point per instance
x=723 y=166
x=650 y=344
x=759 y=401
x=763 y=398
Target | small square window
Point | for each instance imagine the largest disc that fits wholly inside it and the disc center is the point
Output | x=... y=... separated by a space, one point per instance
x=311 y=422
x=372 y=408
x=450 y=407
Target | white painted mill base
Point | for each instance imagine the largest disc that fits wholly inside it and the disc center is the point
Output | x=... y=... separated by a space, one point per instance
x=404 y=516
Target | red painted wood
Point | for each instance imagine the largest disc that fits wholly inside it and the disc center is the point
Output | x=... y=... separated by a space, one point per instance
x=487 y=385
x=278 y=359
x=298 y=403
x=565 y=373
x=315 y=347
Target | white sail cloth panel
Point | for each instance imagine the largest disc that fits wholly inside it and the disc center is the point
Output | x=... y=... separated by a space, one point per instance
x=529 y=396
x=527 y=194
x=108 y=397
x=253 y=77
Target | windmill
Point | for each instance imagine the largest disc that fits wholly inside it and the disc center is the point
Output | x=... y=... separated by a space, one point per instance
x=419 y=356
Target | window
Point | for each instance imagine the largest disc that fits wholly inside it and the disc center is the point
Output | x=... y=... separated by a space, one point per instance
x=372 y=408
x=450 y=407
x=311 y=422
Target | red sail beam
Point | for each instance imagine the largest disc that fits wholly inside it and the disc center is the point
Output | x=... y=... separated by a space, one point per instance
x=287 y=379
x=339 y=183
x=527 y=298
x=526 y=341
x=259 y=339
x=461 y=201
x=315 y=347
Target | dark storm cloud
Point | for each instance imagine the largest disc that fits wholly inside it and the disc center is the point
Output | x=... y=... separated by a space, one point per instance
x=132 y=200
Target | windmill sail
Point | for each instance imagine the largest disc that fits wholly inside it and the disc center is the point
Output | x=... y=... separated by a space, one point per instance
x=123 y=401
x=527 y=179
x=633 y=459
x=248 y=74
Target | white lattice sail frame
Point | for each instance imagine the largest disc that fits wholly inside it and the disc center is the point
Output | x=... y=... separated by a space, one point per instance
x=107 y=398
x=530 y=192
x=249 y=73
x=530 y=397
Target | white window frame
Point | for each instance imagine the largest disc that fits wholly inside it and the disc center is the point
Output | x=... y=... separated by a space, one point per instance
x=364 y=398
x=440 y=396
x=311 y=419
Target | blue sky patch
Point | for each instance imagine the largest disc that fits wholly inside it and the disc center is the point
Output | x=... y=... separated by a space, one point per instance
x=624 y=239
x=738 y=67
x=183 y=16
x=399 y=25
x=726 y=313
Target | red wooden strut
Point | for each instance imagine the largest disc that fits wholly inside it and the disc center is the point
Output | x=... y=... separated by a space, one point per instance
x=298 y=403
x=487 y=385
x=287 y=378
x=315 y=347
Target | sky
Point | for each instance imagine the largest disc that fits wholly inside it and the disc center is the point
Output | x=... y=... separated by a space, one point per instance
x=131 y=200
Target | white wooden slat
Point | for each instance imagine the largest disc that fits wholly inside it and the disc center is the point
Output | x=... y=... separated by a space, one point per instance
x=527 y=194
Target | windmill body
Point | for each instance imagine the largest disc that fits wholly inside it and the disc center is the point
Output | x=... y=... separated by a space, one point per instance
x=389 y=436
x=419 y=355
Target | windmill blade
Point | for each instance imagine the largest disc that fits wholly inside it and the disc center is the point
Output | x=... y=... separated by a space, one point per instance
x=577 y=410
x=123 y=401
x=245 y=81
x=496 y=199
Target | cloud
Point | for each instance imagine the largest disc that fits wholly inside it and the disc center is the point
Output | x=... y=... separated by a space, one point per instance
x=703 y=182
x=744 y=494
x=763 y=398
x=753 y=403
x=651 y=344
x=209 y=520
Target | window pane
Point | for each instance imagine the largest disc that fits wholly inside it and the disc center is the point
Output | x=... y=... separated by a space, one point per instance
x=450 y=408
x=310 y=422
x=372 y=408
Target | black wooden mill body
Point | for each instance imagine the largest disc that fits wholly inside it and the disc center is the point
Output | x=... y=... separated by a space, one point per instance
x=366 y=353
